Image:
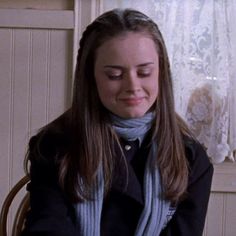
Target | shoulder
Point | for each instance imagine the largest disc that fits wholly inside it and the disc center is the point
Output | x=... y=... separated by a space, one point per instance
x=199 y=162
x=195 y=151
x=46 y=151
x=51 y=139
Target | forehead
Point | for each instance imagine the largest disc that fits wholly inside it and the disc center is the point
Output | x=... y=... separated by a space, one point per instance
x=127 y=47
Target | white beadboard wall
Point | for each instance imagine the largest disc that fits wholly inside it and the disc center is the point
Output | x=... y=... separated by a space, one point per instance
x=35 y=78
x=38 y=49
x=35 y=81
x=221 y=215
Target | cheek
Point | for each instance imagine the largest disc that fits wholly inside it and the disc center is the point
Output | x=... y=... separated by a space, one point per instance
x=107 y=92
x=153 y=88
x=156 y=90
x=100 y=84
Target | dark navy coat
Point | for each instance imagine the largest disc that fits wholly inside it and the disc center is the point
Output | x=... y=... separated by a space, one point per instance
x=52 y=214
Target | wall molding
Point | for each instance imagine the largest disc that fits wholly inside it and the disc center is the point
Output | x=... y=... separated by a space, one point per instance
x=29 y=18
x=224 y=179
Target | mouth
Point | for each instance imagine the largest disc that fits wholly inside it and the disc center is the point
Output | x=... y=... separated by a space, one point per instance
x=133 y=101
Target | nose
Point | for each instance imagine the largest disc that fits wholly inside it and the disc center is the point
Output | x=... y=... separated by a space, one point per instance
x=131 y=83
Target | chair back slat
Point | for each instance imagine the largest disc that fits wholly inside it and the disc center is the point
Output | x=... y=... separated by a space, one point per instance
x=21 y=212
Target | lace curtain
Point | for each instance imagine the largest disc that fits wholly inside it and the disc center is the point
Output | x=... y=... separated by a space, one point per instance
x=201 y=40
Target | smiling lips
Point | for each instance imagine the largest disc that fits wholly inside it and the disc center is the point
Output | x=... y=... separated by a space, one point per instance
x=133 y=101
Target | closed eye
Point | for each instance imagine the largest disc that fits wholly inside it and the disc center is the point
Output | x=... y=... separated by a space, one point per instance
x=144 y=73
x=114 y=77
x=113 y=72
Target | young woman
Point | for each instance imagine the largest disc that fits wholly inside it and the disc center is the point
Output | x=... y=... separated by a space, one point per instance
x=120 y=161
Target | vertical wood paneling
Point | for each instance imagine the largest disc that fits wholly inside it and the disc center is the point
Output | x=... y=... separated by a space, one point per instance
x=19 y=97
x=35 y=86
x=60 y=72
x=11 y=107
x=48 y=72
x=29 y=82
x=230 y=215
x=39 y=85
x=215 y=215
x=22 y=69
x=221 y=215
x=5 y=107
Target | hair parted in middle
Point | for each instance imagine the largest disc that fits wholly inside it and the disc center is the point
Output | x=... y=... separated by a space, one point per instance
x=94 y=139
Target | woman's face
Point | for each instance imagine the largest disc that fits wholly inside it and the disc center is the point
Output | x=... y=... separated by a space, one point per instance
x=126 y=74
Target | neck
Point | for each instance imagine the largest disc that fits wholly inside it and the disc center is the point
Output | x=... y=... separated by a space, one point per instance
x=133 y=128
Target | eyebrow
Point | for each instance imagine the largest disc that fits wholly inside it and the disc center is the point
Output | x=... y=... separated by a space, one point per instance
x=121 y=67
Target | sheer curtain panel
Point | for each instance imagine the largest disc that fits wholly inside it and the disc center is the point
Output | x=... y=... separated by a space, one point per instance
x=201 y=40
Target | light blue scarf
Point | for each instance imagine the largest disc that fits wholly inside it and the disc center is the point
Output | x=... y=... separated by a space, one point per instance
x=132 y=129
x=155 y=210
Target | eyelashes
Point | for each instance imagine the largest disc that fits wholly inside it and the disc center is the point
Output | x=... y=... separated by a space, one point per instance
x=140 y=74
x=114 y=77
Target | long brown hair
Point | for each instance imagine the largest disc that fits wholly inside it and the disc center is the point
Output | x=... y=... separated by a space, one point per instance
x=93 y=138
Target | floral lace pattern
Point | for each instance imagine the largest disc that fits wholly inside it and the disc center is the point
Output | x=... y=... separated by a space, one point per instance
x=201 y=42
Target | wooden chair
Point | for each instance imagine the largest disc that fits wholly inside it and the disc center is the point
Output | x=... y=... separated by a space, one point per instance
x=20 y=215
